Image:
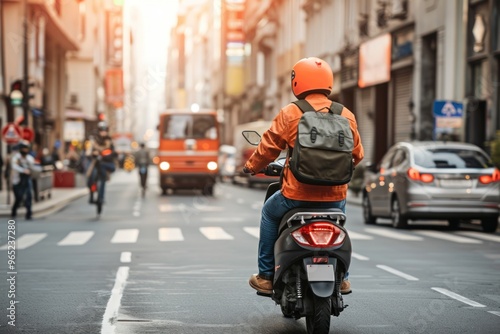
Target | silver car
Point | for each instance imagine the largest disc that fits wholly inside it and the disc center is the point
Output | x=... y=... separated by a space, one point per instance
x=433 y=180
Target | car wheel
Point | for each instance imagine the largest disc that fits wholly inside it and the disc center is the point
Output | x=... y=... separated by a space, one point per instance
x=398 y=220
x=489 y=224
x=367 y=212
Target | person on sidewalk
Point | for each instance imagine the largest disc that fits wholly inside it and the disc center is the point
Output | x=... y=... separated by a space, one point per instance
x=22 y=167
x=312 y=80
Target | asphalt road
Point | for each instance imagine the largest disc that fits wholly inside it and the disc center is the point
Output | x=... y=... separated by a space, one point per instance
x=181 y=263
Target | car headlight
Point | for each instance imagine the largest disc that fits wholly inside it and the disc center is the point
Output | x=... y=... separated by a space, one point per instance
x=212 y=165
x=164 y=165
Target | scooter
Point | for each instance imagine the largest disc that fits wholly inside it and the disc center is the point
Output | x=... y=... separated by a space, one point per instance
x=312 y=256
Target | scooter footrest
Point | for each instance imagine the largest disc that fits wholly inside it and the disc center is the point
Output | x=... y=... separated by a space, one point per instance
x=264 y=294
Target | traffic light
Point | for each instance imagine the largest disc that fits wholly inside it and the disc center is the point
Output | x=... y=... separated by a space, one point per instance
x=16 y=93
x=101 y=117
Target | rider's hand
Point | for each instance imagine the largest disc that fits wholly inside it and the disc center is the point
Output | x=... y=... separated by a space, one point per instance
x=247 y=170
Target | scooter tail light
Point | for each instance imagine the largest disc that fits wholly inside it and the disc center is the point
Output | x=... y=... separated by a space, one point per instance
x=320 y=235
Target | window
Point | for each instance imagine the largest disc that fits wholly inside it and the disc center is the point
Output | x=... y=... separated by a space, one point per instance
x=451 y=158
x=190 y=127
x=399 y=158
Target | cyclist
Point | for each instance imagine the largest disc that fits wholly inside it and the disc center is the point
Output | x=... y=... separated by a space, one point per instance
x=142 y=163
x=103 y=155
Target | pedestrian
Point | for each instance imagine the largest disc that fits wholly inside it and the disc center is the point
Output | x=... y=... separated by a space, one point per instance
x=312 y=80
x=22 y=168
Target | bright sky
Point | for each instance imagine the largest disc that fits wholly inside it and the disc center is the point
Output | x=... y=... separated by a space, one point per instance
x=151 y=22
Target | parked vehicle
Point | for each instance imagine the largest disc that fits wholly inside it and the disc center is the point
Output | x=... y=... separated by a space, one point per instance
x=244 y=151
x=227 y=163
x=433 y=180
x=312 y=255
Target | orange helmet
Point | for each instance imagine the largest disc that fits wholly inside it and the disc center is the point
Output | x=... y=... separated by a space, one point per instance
x=311 y=75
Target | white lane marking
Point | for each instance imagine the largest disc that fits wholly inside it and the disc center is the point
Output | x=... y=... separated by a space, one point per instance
x=215 y=233
x=170 y=234
x=126 y=257
x=111 y=313
x=494 y=312
x=393 y=235
x=397 y=272
x=458 y=297
x=27 y=240
x=359 y=257
x=359 y=236
x=255 y=231
x=126 y=236
x=480 y=235
x=136 y=214
x=448 y=237
x=221 y=219
x=76 y=238
x=240 y=201
x=172 y=208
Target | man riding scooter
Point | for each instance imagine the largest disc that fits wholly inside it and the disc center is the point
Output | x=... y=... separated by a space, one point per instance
x=312 y=80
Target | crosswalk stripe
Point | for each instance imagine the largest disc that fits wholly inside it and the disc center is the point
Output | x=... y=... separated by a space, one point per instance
x=255 y=231
x=76 y=238
x=126 y=236
x=393 y=235
x=170 y=234
x=448 y=237
x=480 y=235
x=215 y=233
x=27 y=240
x=359 y=236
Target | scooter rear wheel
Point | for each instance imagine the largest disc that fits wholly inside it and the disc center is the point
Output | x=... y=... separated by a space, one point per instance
x=319 y=321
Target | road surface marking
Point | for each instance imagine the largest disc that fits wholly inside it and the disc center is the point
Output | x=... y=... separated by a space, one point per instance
x=359 y=257
x=76 y=238
x=458 y=297
x=27 y=240
x=126 y=257
x=448 y=237
x=397 y=272
x=359 y=236
x=170 y=234
x=172 y=208
x=215 y=233
x=127 y=236
x=494 y=312
x=480 y=235
x=240 y=201
x=393 y=235
x=111 y=313
x=255 y=231
x=221 y=219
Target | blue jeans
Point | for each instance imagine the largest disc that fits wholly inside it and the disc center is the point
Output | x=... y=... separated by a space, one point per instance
x=22 y=190
x=101 y=178
x=274 y=209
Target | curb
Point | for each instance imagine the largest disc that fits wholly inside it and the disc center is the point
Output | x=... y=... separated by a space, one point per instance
x=49 y=207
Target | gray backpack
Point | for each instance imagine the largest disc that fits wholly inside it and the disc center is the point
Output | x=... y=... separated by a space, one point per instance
x=322 y=154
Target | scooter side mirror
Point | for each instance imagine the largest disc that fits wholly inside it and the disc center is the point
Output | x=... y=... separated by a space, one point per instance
x=252 y=137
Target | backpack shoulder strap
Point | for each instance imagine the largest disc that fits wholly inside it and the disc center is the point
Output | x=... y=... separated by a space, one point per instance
x=336 y=108
x=303 y=105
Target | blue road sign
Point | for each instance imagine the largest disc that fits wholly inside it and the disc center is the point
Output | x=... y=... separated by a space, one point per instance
x=443 y=108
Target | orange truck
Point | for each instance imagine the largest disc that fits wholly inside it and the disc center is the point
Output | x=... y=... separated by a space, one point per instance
x=188 y=150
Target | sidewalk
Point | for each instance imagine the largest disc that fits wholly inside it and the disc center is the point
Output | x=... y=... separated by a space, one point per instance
x=60 y=197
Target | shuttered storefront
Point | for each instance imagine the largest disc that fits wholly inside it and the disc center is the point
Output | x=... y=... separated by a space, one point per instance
x=403 y=80
x=365 y=122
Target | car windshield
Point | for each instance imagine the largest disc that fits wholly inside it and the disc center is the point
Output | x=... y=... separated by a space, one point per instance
x=451 y=158
x=190 y=126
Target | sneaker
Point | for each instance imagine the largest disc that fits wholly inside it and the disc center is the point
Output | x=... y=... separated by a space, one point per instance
x=345 y=287
x=264 y=286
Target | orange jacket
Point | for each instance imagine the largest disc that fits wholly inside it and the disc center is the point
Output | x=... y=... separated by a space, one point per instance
x=281 y=135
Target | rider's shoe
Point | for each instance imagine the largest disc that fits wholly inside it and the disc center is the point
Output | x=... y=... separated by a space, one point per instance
x=260 y=284
x=345 y=287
